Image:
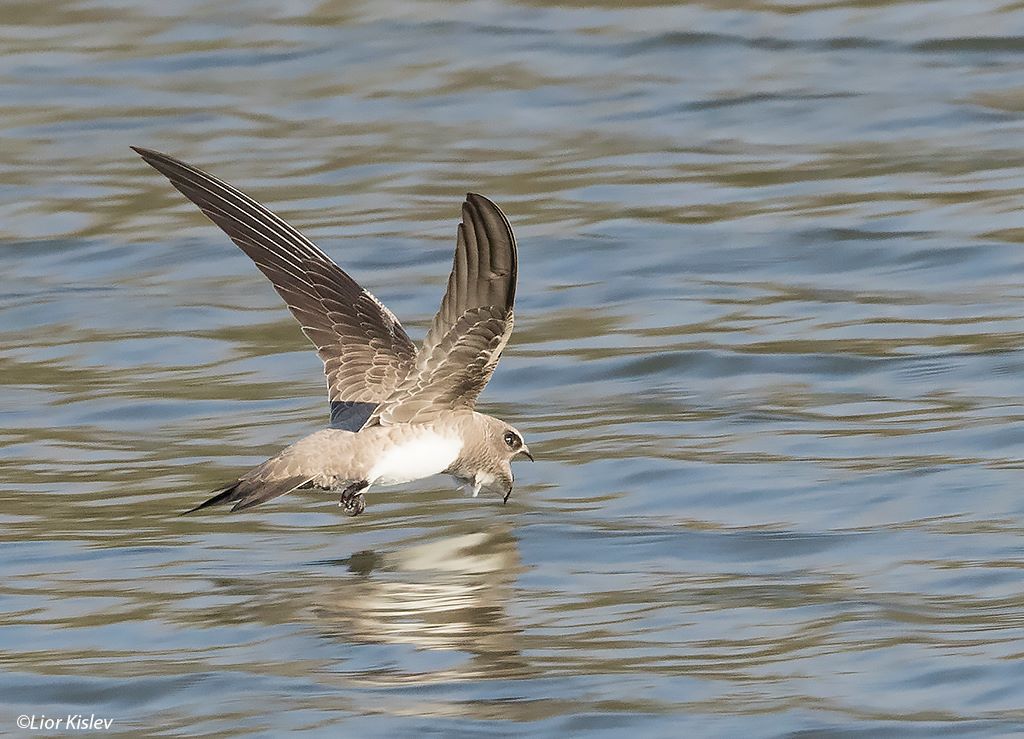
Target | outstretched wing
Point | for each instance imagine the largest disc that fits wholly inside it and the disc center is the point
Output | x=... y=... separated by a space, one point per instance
x=365 y=351
x=471 y=328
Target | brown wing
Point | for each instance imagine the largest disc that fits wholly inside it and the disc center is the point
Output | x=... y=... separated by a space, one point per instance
x=365 y=351
x=471 y=328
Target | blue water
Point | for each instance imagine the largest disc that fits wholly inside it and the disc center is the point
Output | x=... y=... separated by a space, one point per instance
x=769 y=354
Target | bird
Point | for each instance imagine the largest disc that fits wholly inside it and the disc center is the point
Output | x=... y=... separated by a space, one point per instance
x=398 y=413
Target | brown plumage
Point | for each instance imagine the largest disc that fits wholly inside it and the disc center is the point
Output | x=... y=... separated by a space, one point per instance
x=396 y=413
x=472 y=326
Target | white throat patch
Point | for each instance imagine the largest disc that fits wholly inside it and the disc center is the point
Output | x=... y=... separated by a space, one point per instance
x=423 y=456
x=482 y=480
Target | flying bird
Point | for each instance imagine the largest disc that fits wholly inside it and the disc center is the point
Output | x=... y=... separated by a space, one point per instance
x=398 y=413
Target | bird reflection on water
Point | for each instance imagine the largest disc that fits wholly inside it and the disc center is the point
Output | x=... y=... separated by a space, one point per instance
x=449 y=594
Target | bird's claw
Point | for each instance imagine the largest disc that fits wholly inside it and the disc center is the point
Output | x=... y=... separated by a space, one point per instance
x=354 y=505
x=352 y=499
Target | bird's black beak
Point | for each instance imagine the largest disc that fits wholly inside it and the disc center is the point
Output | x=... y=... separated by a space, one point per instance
x=526 y=453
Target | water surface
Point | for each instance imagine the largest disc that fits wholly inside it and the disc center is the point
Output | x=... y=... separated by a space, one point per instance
x=769 y=354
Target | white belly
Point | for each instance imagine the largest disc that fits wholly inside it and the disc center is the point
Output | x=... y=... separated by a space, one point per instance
x=414 y=459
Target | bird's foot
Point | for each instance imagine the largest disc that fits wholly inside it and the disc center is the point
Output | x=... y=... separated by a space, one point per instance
x=356 y=505
x=352 y=498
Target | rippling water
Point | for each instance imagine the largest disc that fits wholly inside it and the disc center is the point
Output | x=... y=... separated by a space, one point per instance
x=769 y=352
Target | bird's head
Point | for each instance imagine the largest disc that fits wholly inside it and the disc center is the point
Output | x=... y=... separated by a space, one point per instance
x=492 y=463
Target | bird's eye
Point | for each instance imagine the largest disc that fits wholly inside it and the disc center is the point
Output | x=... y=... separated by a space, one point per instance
x=512 y=441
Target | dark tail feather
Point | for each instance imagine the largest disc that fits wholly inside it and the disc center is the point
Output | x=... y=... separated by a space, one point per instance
x=249 y=492
x=223 y=496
